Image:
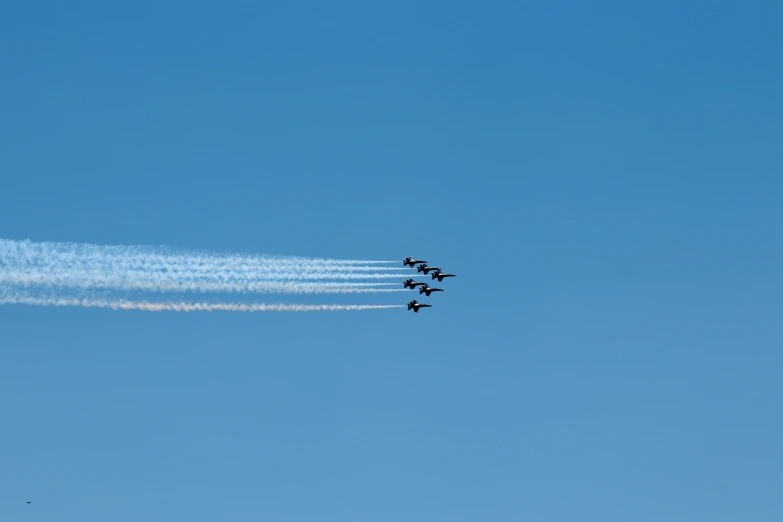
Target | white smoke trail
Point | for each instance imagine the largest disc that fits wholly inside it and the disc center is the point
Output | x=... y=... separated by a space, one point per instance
x=87 y=266
x=174 y=306
x=73 y=272
x=157 y=285
x=44 y=273
x=30 y=252
x=140 y=279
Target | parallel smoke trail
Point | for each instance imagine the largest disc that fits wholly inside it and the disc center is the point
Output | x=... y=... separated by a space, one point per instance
x=138 y=256
x=52 y=273
x=84 y=266
x=142 y=285
x=121 y=304
x=136 y=279
x=72 y=272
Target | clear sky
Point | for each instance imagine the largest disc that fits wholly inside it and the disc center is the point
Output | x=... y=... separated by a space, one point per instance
x=605 y=179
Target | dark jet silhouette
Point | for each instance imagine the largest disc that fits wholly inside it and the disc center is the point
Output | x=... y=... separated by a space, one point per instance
x=426 y=269
x=410 y=283
x=416 y=305
x=410 y=261
x=427 y=289
x=439 y=275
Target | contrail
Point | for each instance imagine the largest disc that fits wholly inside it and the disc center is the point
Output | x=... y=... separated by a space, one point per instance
x=181 y=306
x=50 y=276
x=157 y=285
x=52 y=273
x=159 y=269
x=146 y=256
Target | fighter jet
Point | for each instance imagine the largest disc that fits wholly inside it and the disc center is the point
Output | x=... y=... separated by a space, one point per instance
x=427 y=289
x=439 y=275
x=416 y=305
x=410 y=261
x=426 y=269
x=410 y=283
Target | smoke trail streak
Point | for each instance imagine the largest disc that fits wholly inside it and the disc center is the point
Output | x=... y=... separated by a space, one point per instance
x=30 y=252
x=85 y=266
x=63 y=275
x=147 y=306
x=157 y=285
x=71 y=273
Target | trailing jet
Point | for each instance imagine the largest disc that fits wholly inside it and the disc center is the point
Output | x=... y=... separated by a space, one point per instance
x=426 y=269
x=416 y=305
x=427 y=289
x=439 y=275
x=410 y=261
x=410 y=283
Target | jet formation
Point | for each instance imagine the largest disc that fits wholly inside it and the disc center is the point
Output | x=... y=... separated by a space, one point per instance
x=437 y=273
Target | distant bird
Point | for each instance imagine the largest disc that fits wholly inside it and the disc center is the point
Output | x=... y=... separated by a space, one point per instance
x=27 y=502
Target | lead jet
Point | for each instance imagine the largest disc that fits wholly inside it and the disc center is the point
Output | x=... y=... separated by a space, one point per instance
x=410 y=261
x=410 y=283
x=439 y=275
x=416 y=305
x=427 y=289
x=426 y=269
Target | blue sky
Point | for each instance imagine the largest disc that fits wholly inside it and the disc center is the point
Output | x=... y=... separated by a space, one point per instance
x=606 y=181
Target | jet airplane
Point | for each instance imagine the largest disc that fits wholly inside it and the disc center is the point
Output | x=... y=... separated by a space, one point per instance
x=410 y=261
x=439 y=275
x=426 y=269
x=427 y=289
x=416 y=305
x=410 y=283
